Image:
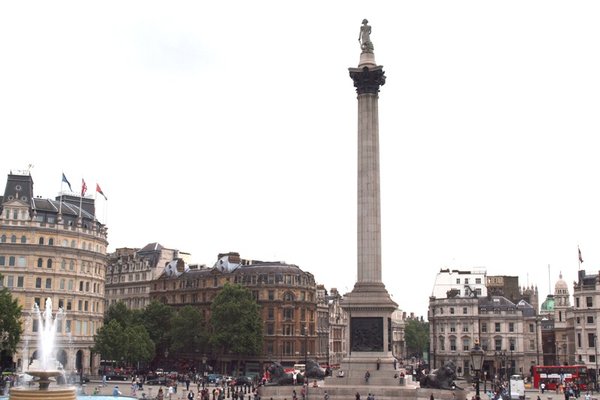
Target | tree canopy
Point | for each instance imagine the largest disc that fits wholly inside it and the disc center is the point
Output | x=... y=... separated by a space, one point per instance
x=10 y=321
x=236 y=324
x=417 y=337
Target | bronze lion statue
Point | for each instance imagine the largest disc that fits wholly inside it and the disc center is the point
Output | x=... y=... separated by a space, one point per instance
x=441 y=378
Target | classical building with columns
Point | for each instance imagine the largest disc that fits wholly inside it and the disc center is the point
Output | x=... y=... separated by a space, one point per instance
x=56 y=249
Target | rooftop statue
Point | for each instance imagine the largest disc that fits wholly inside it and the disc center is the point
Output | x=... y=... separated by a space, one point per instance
x=364 y=37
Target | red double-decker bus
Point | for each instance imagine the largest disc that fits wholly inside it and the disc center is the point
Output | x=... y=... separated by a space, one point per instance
x=553 y=375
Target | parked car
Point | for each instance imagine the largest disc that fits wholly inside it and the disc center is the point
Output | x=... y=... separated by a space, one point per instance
x=117 y=377
x=241 y=381
x=156 y=380
x=214 y=378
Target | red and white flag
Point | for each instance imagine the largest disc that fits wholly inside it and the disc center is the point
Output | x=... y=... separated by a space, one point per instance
x=100 y=191
x=83 y=187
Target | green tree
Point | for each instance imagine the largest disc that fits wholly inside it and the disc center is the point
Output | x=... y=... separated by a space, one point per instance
x=416 y=334
x=10 y=322
x=118 y=312
x=236 y=325
x=138 y=347
x=109 y=341
x=157 y=320
x=188 y=331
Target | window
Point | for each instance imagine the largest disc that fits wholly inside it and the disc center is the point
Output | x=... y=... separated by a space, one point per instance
x=23 y=239
x=531 y=328
x=451 y=310
x=271 y=295
x=531 y=344
x=38 y=283
x=464 y=310
x=20 y=281
x=497 y=327
x=49 y=263
x=478 y=281
x=484 y=327
x=577 y=302
x=41 y=240
x=590 y=340
x=288 y=313
x=511 y=327
x=48 y=283
x=50 y=241
x=592 y=358
x=22 y=262
x=465 y=344
x=588 y=301
x=271 y=314
x=452 y=326
x=512 y=344
x=466 y=281
x=590 y=319
x=458 y=281
x=452 y=344
x=579 y=340
x=11 y=261
x=465 y=328
x=497 y=344
x=2 y=260
x=287 y=296
x=40 y=263
x=13 y=239
x=270 y=329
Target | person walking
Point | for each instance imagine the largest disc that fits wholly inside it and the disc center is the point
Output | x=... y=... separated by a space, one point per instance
x=326 y=396
x=367 y=376
x=357 y=396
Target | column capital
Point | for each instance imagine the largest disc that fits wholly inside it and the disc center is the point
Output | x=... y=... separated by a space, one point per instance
x=367 y=80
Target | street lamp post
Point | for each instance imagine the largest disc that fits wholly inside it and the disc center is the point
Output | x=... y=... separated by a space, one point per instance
x=305 y=359
x=596 y=358
x=476 y=362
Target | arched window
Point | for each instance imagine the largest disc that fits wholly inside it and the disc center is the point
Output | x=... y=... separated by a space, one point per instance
x=41 y=240
x=38 y=283
x=49 y=263
x=23 y=239
x=3 y=239
x=51 y=242
x=40 y=263
x=63 y=264
x=73 y=243
x=13 y=239
x=288 y=296
x=72 y=265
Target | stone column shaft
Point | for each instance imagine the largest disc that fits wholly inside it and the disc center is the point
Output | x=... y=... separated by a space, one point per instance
x=369 y=210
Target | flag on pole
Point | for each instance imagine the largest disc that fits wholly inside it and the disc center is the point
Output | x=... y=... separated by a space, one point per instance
x=580 y=258
x=65 y=180
x=100 y=191
x=83 y=187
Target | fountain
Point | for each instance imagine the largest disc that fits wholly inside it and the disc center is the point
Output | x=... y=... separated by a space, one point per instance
x=45 y=368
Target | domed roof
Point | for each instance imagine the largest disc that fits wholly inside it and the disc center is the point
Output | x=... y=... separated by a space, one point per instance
x=548 y=304
x=560 y=284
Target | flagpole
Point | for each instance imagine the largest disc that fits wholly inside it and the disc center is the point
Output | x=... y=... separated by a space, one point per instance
x=81 y=198
x=60 y=195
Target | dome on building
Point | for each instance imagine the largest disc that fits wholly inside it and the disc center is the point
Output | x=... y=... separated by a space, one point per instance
x=561 y=285
x=548 y=305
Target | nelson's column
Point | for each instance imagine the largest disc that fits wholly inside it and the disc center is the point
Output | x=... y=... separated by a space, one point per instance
x=369 y=305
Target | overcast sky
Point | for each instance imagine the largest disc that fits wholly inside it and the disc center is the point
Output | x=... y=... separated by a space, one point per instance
x=231 y=126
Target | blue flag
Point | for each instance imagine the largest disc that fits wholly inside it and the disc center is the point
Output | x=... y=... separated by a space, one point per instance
x=65 y=180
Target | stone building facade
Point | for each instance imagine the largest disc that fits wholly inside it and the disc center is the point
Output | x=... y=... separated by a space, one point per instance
x=56 y=249
x=586 y=315
x=509 y=333
x=131 y=271
x=287 y=296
